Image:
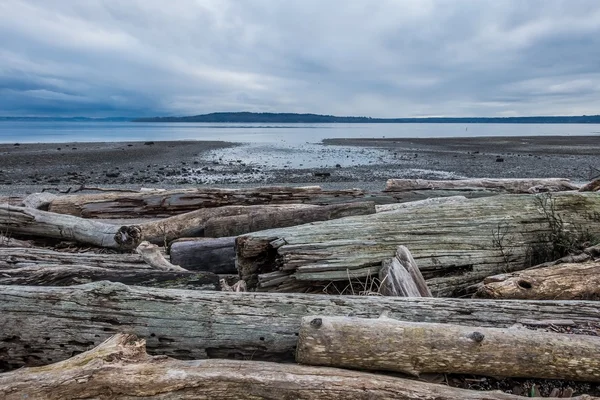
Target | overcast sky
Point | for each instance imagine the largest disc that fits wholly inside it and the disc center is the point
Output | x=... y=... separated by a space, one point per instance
x=380 y=58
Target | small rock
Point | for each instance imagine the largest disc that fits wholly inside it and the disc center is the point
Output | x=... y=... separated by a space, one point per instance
x=17 y=144
x=499 y=159
x=113 y=174
x=338 y=166
x=148 y=143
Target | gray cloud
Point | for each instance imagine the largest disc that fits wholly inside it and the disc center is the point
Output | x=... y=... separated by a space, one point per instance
x=384 y=58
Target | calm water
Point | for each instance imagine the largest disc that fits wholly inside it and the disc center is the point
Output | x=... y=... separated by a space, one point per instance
x=289 y=134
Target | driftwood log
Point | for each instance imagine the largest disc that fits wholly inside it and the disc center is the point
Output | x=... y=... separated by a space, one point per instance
x=40 y=267
x=30 y=221
x=593 y=186
x=400 y=276
x=166 y=203
x=580 y=281
x=497 y=185
x=121 y=367
x=456 y=244
x=205 y=254
x=41 y=325
x=415 y=348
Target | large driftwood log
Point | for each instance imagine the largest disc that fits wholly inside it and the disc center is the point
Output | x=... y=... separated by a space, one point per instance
x=51 y=268
x=121 y=367
x=580 y=281
x=205 y=254
x=41 y=325
x=498 y=185
x=166 y=203
x=414 y=348
x=29 y=221
x=456 y=244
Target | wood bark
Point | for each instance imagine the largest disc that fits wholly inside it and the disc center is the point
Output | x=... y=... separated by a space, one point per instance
x=500 y=185
x=415 y=348
x=29 y=221
x=579 y=281
x=121 y=368
x=400 y=276
x=166 y=203
x=50 y=268
x=40 y=325
x=205 y=254
x=456 y=244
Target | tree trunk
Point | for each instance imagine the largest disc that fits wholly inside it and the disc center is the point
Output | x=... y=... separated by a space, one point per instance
x=41 y=325
x=456 y=244
x=497 y=185
x=29 y=221
x=261 y=220
x=120 y=368
x=205 y=254
x=579 y=281
x=415 y=348
x=51 y=268
x=166 y=203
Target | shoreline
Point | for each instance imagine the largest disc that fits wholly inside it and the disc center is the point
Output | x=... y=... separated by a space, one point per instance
x=361 y=163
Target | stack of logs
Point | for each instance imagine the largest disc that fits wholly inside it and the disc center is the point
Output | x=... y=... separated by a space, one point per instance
x=90 y=283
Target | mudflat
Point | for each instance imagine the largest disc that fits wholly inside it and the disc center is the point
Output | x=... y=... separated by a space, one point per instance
x=32 y=167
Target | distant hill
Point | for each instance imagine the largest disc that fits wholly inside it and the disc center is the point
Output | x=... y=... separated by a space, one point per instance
x=286 y=118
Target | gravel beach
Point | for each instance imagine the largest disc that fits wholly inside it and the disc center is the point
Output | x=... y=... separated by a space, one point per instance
x=336 y=163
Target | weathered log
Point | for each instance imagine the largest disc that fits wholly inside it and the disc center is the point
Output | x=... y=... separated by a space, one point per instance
x=455 y=244
x=29 y=221
x=40 y=325
x=46 y=267
x=205 y=254
x=166 y=203
x=120 y=366
x=261 y=220
x=400 y=276
x=6 y=241
x=415 y=348
x=500 y=185
x=593 y=186
x=579 y=281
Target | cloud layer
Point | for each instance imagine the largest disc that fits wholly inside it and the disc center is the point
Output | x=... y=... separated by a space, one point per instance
x=385 y=58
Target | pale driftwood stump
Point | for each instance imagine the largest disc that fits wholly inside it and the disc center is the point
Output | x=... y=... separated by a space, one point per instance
x=400 y=276
x=416 y=348
x=41 y=325
x=120 y=368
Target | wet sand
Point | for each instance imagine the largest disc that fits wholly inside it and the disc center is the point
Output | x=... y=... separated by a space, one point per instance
x=364 y=163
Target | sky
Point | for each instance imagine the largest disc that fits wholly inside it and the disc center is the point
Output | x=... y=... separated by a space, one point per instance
x=384 y=58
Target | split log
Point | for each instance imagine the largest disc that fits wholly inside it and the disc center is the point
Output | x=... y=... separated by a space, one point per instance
x=455 y=244
x=497 y=185
x=29 y=221
x=415 y=348
x=50 y=268
x=205 y=254
x=268 y=219
x=400 y=276
x=166 y=203
x=579 y=281
x=41 y=325
x=121 y=367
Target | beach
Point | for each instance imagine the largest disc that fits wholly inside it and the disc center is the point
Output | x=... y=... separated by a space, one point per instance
x=363 y=163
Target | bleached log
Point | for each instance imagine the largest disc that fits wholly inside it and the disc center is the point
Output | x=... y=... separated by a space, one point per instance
x=415 y=348
x=580 y=281
x=166 y=203
x=40 y=325
x=205 y=254
x=400 y=276
x=33 y=266
x=153 y=257
x=121 y=367
x=29 y=221
x=455 y=244
x=500 y=185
